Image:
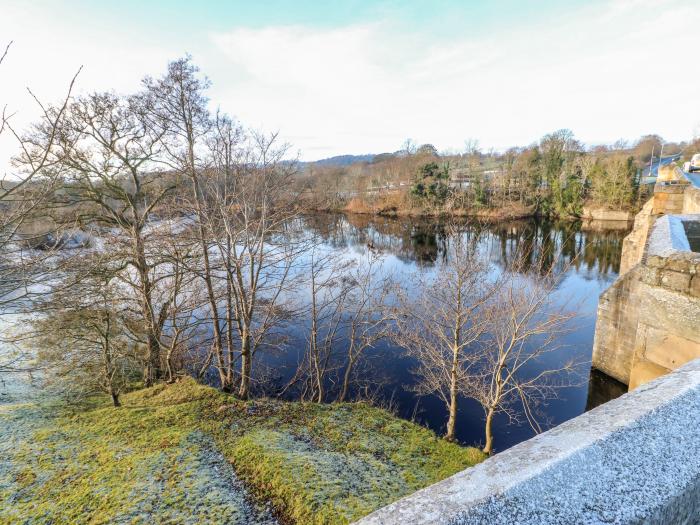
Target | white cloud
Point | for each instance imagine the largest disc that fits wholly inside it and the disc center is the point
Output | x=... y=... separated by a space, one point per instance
x=613 y=69
x=619 y=70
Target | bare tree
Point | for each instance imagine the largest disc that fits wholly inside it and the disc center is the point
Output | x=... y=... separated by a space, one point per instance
x=247 y=217
x=79 y=336
x=178 y=113
x=328 y=292
x=108 y=156
x=184 y=329
x=242 y=204
x=512 y=370
x=367 y=314
x=440 y=325
x=25 y=186
x=264 y=249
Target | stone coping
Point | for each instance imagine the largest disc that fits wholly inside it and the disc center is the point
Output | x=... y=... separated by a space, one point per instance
x=668 y=235
x=635 y=459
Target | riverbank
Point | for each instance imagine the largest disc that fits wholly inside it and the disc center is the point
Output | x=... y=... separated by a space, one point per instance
x=187 y=453
x=401 y=207
x=616 y=219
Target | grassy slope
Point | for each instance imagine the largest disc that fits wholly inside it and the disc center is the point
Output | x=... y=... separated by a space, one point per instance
x=162 y=459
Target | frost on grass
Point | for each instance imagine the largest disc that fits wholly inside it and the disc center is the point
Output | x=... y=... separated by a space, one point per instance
x=166 y=456
x=336 y=463
x=90 y=468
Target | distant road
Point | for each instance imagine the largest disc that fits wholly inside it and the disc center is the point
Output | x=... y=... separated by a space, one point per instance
x=655 y=166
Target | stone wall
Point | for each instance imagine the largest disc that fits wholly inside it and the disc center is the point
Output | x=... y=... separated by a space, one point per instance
x=691 y=200
x=668 y=199
x=604 y=214
x=633 y=244
x=635 y=459
x=648 y=320
x=616 y=325
x=667 y=334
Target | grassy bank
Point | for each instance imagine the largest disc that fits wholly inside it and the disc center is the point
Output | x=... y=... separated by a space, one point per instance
x=164 y=458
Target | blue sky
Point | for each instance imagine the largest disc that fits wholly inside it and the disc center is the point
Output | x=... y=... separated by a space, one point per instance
x=438 y=17
x=362 y=76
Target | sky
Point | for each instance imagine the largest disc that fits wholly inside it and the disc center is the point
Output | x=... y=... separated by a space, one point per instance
x=358 y=77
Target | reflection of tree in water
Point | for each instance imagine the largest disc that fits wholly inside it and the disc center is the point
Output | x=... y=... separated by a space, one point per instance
x=531 y=245
x=427 y=242
x=411 y=240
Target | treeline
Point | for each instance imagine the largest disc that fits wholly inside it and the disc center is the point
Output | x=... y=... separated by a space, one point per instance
x=556 y=177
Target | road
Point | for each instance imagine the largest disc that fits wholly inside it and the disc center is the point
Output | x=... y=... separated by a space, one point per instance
x=655 y=167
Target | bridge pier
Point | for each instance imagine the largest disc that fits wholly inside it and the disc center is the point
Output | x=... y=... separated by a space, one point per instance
x=647 y=322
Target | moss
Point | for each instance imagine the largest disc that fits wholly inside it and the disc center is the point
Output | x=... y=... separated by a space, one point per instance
x=336 y=463
x=164 y=454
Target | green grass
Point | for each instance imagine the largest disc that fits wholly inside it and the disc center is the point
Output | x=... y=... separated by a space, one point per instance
x=162 y=458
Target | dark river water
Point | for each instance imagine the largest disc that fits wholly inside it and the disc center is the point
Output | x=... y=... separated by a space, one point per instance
x=591 y=260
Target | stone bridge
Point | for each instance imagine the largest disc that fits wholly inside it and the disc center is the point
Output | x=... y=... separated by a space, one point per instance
x=648 y=321
x=635 y=459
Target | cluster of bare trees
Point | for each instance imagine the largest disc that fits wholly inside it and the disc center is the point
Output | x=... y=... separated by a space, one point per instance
x=482 y=334
x=348 y=314
x=185 y=211
x=195 y=264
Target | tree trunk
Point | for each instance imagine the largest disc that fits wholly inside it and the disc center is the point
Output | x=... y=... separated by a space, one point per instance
x=319 y=387
x=488 y=447
x=452 y=420
x=346 y=382
x=152 y=371
x=246 y=365
x=169 y=365
x=115 y=399
x=208 y=274
x=229 y=324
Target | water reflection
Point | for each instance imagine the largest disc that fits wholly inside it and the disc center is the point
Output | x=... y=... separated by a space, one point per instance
x=419 y=240
x=602 y=388
x=589 y=263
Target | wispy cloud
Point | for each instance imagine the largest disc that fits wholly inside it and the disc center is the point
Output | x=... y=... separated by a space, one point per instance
x=614 y=70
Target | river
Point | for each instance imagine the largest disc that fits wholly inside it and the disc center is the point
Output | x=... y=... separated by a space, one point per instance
x=591 y=261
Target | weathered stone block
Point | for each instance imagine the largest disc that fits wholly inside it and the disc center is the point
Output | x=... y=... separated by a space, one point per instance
x=679 y=282
x=695 y=286
x=667 y=349
x=655 y=261
x=644 y=371
x=651 y=276
x=678 y=263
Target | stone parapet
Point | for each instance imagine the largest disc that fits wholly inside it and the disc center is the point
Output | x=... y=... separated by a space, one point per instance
x=635 y=459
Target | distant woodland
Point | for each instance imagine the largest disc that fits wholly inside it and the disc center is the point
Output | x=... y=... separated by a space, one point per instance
x=555 y=177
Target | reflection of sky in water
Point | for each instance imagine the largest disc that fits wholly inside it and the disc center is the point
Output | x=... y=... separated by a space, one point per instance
x=408 y=243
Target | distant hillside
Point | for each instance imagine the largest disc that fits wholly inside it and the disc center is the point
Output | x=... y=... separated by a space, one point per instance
x=341 y=160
